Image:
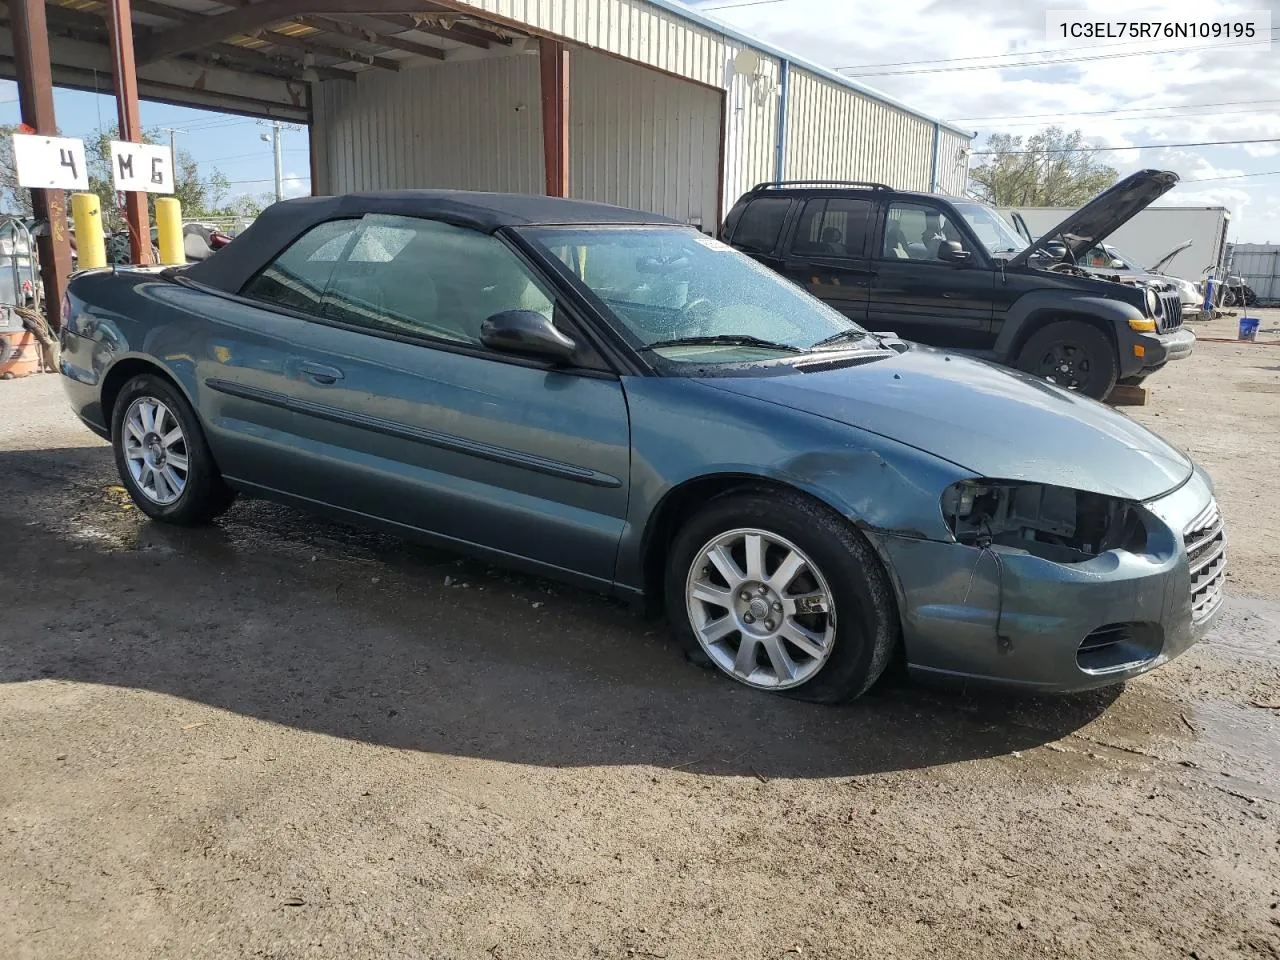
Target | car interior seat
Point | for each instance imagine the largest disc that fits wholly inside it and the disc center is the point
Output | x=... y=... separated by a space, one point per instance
x=833 y=241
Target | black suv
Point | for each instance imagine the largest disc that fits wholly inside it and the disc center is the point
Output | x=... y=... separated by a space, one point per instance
x=951 y=272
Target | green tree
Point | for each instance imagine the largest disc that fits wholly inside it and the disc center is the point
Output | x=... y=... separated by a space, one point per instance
x=13 y=198
x=1052 y=168
x=201 y=195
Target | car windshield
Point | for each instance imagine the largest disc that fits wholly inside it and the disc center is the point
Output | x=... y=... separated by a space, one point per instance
x=996 y=233
x=687 y=298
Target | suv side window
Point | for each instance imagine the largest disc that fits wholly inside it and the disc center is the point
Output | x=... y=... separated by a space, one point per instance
x=914 y=231
x=761 y=224
x=832 y=228
x=297 y=278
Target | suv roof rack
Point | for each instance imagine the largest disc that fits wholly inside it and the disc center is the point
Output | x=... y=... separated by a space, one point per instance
x=770 y=184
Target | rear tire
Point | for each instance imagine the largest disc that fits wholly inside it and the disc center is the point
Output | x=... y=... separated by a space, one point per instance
x=816 y=620
x=162 y=456
x=1075 y=355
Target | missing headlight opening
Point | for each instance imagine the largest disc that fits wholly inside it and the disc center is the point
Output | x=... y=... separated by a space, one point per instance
x=1056 y=523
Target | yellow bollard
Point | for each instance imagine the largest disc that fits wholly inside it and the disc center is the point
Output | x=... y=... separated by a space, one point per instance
x=169 y=225
x=91 y=244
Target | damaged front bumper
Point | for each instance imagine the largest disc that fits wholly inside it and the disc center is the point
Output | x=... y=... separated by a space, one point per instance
x=1003 y=616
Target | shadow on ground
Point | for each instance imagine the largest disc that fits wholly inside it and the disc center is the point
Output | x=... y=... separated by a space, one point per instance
x=281 y=616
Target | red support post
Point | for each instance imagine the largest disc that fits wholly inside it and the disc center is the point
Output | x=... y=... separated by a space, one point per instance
x=35 y=94
x=553 y=58
x=125 y=76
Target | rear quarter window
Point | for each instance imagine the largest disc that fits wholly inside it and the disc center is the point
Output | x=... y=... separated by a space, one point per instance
x=760 y=225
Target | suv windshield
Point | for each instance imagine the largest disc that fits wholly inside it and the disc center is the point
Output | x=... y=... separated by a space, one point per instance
x=688 y=298
x=996 y=233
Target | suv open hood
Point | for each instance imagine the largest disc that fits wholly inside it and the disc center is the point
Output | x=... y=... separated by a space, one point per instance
x=1163 y=262
x=1105 y=213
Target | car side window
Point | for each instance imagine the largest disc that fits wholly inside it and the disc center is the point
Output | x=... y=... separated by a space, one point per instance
x=761 y=224
x=832 y=228
x=914 y=231
x=422 y=277
x=297 y=278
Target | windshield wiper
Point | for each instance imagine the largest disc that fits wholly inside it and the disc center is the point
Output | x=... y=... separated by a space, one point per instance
x=852 y=334
x=723 y=339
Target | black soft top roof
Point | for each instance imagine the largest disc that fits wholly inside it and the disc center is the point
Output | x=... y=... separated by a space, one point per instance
x=282 y=223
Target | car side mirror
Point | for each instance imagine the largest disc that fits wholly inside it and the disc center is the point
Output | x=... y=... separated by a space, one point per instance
x=1117 y=264
x=950 y=251
x=527 y=333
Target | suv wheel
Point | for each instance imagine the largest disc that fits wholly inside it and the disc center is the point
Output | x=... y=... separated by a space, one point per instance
x=1074 y=355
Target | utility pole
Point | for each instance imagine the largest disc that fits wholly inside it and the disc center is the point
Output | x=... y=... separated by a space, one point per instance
x=173 y=145
x=274 y=140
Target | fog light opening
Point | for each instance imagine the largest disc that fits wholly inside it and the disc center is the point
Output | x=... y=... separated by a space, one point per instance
x=1119 y=646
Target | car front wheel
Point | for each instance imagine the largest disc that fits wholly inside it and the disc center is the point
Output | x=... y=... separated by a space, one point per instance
x=161 y=454
x=781 y=594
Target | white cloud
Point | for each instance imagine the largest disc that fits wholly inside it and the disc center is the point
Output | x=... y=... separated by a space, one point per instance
x=296 y=185
x=893 y=40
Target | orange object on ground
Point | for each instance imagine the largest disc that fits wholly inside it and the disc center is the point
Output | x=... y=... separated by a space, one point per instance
x=19 y=347
x=19 y=355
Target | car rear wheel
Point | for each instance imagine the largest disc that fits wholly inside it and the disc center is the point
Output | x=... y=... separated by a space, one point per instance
x=161 y=454
x=1074 y=355
x=783 y=595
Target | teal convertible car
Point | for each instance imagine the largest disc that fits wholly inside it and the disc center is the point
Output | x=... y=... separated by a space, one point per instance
x=611 y=397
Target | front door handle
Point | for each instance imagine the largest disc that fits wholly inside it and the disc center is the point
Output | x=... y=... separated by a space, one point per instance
x=319 y=372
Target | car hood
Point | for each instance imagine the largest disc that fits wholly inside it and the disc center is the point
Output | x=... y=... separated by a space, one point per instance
x=1164 y=261
x=1105 y=213
x=999 y=424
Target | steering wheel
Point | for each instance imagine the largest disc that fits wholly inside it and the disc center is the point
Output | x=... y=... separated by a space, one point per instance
x=696 y=315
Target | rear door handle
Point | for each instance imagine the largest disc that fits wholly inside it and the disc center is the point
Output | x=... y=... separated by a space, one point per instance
x=319 y=372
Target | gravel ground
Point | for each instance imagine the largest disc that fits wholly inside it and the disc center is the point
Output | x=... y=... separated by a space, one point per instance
x=281 y=738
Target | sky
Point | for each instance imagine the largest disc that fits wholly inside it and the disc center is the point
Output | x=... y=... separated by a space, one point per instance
x=217 y=140
x=937 y=56
x=1151 y=98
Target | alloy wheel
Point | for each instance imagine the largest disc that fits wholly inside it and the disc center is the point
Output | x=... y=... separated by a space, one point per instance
x=761 y=609
x=155 y=449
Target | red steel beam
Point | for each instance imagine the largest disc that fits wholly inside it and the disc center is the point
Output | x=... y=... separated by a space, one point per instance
x=125 y=77
x=35 y=95
x=553 y=59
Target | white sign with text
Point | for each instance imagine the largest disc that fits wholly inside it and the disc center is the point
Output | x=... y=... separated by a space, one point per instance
x=141 y=166
x=50 y=163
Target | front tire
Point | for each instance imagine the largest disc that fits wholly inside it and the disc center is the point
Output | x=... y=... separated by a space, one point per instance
x=1074 y=355
x=782 y=594
x=162 y=456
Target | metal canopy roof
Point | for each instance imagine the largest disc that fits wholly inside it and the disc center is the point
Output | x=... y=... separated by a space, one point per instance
x=256 y=58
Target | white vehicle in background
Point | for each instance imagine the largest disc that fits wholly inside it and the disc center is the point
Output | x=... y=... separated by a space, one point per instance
x=1106 y=261
x=1145 y=237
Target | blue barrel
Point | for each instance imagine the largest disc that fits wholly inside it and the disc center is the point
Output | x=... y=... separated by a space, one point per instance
x=1248 y=328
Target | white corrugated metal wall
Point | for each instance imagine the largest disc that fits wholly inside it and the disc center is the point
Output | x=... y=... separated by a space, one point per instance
x=464 y=130
x=953 y=163
x=467 y=125
x=637 y=138
x=837 y=133
x=642 y=139
x=648 y=34
x=1259 y=266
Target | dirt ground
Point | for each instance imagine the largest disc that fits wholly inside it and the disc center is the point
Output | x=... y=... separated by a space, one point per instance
x=281 y=738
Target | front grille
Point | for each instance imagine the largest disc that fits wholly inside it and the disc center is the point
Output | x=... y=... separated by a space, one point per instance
x=1171 y=315
x=1206 y=544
